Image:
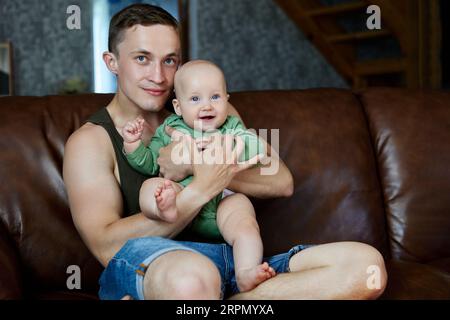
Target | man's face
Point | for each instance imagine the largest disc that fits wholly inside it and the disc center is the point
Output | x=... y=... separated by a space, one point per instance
x=148 y=59
x=202 y=97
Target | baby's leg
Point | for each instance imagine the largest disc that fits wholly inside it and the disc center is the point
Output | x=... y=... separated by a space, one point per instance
x=238 y=226
x=157 y=199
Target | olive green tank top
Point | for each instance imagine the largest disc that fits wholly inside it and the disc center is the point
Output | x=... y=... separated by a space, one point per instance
x=130 y=179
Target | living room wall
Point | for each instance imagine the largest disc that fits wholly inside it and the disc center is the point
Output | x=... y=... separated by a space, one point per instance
x=253 y=41
x=45 y=52
x=257 y=46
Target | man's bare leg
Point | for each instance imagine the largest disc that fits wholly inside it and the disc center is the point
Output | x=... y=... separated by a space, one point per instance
x=182 y=275
x=330 y=271
x=157 y=199
x=237 y=223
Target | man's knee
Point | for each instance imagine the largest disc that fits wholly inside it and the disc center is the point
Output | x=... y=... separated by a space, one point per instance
x=376 y=273
x=366 y=270
x=195 y=286
x=194 y=280
x=182 y=275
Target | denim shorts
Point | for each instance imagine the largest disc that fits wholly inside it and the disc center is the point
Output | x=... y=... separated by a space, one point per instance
x=125 y=272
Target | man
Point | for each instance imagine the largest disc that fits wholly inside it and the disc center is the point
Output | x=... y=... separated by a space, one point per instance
x=140 y=258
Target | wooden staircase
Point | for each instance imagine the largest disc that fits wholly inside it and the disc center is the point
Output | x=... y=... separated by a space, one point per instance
x=404 y=52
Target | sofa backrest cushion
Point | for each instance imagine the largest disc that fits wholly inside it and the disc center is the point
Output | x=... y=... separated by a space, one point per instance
x=411 y=134
x=33 y=201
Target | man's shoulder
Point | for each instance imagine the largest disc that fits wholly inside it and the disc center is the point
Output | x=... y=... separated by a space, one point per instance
x=89 y=138
x=88 y=131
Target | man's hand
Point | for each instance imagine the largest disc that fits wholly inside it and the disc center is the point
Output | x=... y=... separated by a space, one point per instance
x=214 y=168
x=132 y=131
x=167 y=168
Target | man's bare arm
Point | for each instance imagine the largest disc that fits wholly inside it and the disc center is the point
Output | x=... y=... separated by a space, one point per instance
x=96 y=202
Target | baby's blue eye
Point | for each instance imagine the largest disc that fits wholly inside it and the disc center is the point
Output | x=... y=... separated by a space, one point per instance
x=215 y=97
x=195 y=99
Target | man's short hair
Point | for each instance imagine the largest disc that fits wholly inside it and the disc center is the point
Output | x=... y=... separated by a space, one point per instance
x=143 y=14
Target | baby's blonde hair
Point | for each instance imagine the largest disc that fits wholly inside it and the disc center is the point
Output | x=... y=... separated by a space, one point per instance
x=182 y=70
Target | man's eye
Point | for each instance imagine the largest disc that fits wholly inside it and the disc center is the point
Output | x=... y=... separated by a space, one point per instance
x=141 y=59
x=170 y=61
x=195 y=99
x=215 y=97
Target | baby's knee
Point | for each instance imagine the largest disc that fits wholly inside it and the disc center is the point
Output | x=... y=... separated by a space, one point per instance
x=246 y=229
x=248 y=226
x=241 y=198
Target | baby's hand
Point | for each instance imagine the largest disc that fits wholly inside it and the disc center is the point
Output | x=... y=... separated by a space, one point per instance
x=132 y=131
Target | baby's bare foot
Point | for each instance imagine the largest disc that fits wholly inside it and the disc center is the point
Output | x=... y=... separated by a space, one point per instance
x=247 y=279
x=165 y=197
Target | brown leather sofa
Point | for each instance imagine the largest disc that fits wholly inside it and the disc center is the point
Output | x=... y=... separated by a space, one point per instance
x=371 y=167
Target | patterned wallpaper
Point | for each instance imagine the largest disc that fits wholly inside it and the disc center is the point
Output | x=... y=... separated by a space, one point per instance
x=258 y=46
x=46 y=52
x=255 y=43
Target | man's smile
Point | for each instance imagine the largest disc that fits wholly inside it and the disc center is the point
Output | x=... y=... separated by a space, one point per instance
x=154 y=92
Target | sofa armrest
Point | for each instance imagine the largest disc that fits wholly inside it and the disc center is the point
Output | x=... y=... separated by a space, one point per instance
x=10 y=275
x=410 y=280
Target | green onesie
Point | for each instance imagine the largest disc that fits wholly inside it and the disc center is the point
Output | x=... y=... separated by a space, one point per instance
x=143 y=159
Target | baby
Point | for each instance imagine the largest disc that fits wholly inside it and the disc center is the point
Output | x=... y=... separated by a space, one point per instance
x=202 y=100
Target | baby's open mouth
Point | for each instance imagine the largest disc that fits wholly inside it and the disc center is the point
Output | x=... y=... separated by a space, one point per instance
x=206 y=117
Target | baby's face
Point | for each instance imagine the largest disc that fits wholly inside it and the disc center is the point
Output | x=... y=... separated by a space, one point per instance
x=202 y=98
